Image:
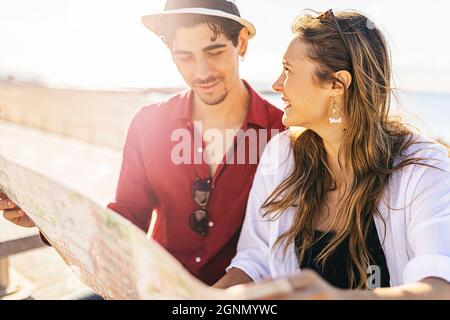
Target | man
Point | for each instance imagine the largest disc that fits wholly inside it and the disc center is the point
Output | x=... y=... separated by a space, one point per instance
x=176 y=156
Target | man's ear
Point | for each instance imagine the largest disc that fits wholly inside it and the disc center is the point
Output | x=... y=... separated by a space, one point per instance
x=243 y=41
x=345 y=79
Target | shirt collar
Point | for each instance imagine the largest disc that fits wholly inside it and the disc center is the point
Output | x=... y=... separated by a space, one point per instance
x=182 y=107
x=256 y=115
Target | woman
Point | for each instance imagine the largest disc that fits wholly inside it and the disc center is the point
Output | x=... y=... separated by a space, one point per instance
x=357 y=197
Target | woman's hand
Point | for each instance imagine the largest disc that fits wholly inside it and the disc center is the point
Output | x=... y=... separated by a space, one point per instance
x=305 y=285
x=309 y=285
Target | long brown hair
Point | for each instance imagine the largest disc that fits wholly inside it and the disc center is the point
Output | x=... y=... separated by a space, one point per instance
x=372 y=140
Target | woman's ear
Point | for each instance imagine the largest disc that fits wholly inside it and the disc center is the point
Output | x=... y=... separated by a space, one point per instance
x=345 y=79
x=243 y=41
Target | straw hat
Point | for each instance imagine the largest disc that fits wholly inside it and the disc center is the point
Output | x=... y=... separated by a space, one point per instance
x=218 y=8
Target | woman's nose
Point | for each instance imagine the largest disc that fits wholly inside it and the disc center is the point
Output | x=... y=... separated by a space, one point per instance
x=278 y=85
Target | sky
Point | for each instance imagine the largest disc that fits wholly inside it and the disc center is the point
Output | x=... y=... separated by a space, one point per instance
x=102 y=43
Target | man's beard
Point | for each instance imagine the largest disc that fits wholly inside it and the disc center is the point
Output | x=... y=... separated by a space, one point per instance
x=211 y=101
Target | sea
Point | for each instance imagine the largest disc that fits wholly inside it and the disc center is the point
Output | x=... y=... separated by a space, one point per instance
x=428 y=112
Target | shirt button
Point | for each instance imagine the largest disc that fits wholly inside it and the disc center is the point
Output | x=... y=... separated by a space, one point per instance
x=200 y=150
x=211 y=224
x=198 y=259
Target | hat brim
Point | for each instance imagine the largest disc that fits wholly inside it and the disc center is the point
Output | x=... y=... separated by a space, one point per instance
x=151 y=21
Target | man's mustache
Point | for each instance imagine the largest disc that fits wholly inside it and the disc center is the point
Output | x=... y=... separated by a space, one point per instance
x=208 y=81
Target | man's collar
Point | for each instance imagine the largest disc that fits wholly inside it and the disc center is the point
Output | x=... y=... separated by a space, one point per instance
x=256 y=115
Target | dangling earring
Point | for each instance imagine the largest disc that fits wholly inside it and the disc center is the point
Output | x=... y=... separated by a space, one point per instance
x=335 y=114
x=242 y=58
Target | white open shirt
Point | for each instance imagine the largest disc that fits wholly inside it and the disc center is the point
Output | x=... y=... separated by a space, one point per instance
x=417 y=241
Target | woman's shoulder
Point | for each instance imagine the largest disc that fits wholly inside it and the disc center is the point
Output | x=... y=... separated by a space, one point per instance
x=278 y=150
x=427 y=150
x=283 y=139
x=276 y=160
x=427 y=164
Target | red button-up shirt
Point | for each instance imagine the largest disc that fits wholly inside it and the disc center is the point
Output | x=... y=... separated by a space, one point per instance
x=150 y=180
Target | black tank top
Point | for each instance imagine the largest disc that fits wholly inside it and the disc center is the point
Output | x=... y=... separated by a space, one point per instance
x=335 y=269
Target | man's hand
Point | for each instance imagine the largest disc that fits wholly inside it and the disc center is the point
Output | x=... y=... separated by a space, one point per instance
x=13 y=213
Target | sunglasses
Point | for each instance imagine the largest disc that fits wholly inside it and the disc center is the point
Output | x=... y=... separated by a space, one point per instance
x=329 y=16
x=198 y=220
